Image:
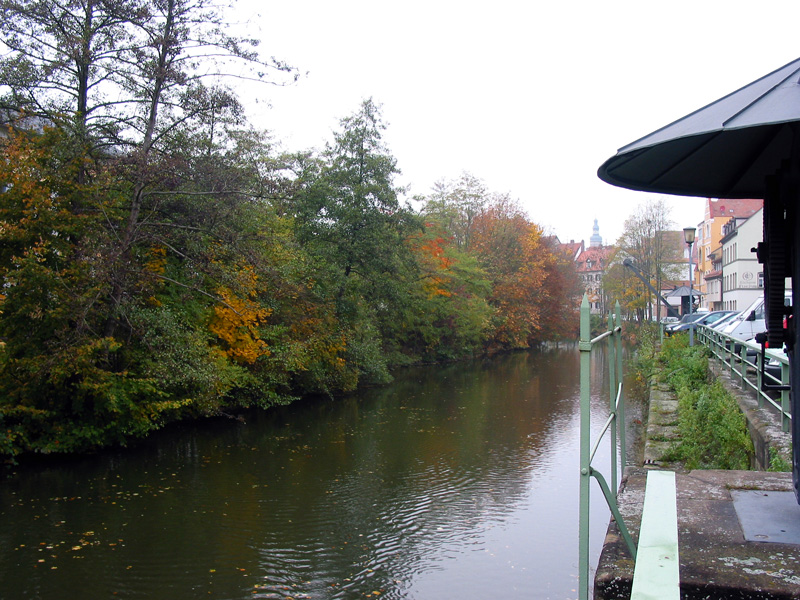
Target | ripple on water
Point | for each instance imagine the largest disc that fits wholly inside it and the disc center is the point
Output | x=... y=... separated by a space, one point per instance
x=441 y=490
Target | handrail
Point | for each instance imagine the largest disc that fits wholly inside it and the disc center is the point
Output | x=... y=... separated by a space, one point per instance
x=617 y=435
x=744 y=360
x=608 y=423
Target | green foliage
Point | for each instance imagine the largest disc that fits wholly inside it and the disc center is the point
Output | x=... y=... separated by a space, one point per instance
x=713 y=431
x=778 y=463
x=642 y=336
x=144 y=287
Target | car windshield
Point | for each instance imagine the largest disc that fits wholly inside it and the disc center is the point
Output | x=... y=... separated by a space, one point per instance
x=714 y=317
x=724 y=320
x=692 y=317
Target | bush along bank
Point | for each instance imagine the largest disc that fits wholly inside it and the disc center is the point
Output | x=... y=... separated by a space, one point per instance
x=713 y=431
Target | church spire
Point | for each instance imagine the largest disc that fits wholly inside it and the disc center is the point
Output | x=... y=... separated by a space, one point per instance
x=595 y=241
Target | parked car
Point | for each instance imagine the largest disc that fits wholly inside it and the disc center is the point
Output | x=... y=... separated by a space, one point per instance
x=751 y=321
x=685 y=320
x=720 y=323
x=708 y=318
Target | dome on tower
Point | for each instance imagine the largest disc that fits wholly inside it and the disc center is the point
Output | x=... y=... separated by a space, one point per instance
x=595 y=241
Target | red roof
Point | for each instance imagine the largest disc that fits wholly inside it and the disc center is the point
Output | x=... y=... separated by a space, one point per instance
x=573 y=249
x=597 y=256
x=741 y=208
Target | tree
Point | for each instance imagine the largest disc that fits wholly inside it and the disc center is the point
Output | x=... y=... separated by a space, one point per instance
x=447 y=315
x=455 y=205
x=619 y=283
x=509 y=248
x=104 y=69
x=349 y=216
x=350 y=208
x=56 y=392
x=647 y=240
x=563 y=286
x=137 y=241
x=125 y=79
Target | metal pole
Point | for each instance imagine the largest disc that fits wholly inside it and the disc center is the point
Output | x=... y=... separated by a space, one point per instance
x=793 y=343
x=585 y=347
x=623 y=459
x=612 y=394
x=691 y=297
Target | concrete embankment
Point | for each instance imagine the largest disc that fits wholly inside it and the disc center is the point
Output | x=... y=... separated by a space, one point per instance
x=738 y=531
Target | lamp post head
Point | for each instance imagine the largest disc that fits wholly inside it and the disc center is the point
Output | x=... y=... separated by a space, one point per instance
x=688 y=235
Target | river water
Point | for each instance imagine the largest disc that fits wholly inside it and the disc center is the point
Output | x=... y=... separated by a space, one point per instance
x=452 y=482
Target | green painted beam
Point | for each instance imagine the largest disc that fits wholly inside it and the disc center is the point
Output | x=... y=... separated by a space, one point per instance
x=657 y=571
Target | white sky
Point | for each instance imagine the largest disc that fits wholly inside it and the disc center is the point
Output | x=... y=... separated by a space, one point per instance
x=530 y=96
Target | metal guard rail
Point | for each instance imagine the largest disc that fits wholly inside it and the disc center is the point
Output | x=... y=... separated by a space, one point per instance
x=617 y=434
x=743 y=359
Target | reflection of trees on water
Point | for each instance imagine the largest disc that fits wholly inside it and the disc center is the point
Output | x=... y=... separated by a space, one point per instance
x=327 y=498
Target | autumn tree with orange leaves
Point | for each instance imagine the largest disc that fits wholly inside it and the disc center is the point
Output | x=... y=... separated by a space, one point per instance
x=447 y=316
x=534 y=290
x=510 y=248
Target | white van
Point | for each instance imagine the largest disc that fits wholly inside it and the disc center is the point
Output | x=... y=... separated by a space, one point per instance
x=751 y=320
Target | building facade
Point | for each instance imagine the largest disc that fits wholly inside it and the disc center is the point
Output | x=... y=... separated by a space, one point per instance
x=591 y=264
x=741 y=275
x=716 y=215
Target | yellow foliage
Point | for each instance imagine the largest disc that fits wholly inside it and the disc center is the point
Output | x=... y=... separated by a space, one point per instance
x=236 y=323
x=158 y=260
x=434 y=286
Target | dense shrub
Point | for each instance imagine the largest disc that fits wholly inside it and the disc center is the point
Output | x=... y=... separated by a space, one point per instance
x=713 y=431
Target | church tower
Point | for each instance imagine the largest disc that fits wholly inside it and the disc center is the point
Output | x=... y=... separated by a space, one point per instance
x=595 y=241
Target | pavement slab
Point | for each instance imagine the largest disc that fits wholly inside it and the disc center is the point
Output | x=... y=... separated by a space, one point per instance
x=716 y=558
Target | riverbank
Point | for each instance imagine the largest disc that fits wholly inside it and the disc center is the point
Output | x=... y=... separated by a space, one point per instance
x=739 y=531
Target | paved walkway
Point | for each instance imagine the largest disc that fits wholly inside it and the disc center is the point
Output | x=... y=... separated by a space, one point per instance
x=739 y=531
x=716 y=558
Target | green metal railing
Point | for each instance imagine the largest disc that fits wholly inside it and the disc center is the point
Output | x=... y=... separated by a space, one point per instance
x=614 y=425
x=743 y=360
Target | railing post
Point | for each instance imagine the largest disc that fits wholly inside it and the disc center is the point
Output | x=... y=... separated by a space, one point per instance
x=621 y=411
x=744 y=366
x=760 y=379
x=612 y=397
x=785 y=402
x=585 y=347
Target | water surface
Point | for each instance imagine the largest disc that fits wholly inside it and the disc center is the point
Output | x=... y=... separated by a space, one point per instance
x=452 y=482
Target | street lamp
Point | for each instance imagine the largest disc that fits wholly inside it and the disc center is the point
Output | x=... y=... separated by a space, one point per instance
x=688 y=237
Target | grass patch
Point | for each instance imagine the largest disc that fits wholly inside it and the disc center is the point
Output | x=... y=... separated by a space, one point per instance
x=713 y=432
x=644 y=337
x=778 y=463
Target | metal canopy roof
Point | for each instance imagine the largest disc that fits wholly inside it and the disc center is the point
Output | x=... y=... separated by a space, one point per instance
x=683 y=290
x=724 y=150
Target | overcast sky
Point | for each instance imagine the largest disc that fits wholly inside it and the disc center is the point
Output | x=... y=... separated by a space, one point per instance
x=530 y=96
